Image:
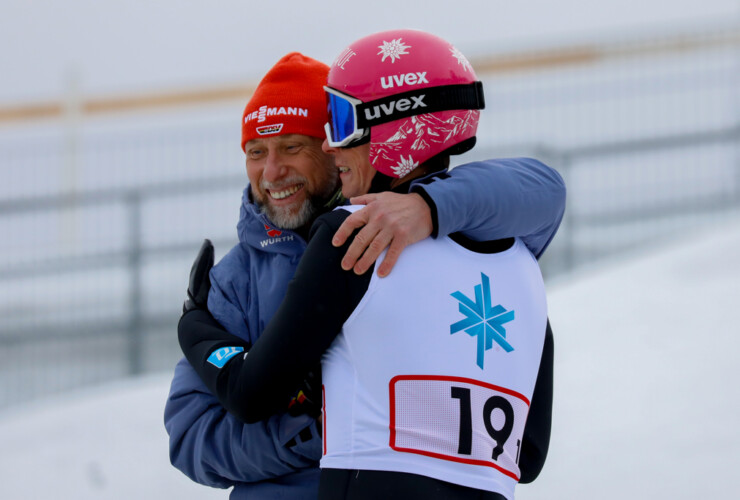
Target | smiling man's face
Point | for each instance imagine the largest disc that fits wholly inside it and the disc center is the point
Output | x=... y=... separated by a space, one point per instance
x=291 y=177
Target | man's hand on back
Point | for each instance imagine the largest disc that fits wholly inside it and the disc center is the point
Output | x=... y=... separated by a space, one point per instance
x=389 y=220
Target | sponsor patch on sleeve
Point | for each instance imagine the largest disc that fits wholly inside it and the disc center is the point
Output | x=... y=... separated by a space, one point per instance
x=219 y=357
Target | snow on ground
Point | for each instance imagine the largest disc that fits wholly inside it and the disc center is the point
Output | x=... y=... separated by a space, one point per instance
x=645 y=405
x=646 y=398
x=105 y=443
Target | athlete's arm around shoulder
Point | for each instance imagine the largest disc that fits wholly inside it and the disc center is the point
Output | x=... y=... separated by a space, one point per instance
x=318 y=300
x=499 y=198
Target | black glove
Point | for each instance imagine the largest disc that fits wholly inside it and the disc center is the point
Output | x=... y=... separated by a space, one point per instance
x=307 y=399
x=200 y=281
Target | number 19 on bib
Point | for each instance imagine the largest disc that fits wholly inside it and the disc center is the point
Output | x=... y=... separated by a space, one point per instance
x=458 y=419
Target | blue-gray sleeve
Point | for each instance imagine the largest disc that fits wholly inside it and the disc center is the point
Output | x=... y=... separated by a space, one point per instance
x=225 y=302
x=212 y=447
x=207 y=443
x=494 y=199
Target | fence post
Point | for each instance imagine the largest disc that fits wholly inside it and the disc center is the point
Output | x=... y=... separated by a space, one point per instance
x=72 y=120
x=135 y=322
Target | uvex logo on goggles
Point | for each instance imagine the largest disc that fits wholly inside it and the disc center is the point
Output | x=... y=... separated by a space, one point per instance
x=415 y=102
x=400 y=105
x=350 y=119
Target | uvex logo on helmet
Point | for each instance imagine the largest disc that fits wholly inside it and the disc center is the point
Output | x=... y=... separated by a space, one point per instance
x=416 y=78
x=388 y=109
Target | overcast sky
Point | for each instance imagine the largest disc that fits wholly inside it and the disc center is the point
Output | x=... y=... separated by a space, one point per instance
x=135 y=45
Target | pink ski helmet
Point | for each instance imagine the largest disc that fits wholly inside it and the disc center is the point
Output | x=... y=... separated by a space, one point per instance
x=411 y=94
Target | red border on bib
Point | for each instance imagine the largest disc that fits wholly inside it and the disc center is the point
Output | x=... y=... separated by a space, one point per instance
x=392 y=441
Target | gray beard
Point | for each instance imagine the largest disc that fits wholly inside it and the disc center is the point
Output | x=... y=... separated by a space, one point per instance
x=286 y=219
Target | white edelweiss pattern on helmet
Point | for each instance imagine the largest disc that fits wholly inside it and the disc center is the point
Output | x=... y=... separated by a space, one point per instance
x=461 y=59
x=404 y=166
x=393 y=49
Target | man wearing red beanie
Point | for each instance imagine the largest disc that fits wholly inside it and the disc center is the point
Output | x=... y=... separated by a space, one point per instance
x=281 y=105
x=291 y=181
x=282 y=131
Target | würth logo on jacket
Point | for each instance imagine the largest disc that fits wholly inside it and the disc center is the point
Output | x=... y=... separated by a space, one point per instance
x=272 y=233
x=275 y=236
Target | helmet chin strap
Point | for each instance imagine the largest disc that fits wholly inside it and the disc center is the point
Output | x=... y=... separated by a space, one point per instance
x=461 y=147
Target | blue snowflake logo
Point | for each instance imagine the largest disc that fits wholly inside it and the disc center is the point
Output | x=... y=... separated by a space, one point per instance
x=482 y=320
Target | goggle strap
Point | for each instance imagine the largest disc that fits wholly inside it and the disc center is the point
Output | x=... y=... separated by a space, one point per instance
x=420 y=101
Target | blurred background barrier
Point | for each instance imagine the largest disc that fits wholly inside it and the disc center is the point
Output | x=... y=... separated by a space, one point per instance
x=104 y=201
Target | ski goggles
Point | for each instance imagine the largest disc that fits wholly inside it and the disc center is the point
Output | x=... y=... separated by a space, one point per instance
x=350 y=119
x=341 y=129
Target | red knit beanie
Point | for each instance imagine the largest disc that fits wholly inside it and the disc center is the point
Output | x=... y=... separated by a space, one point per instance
x=290 y=99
